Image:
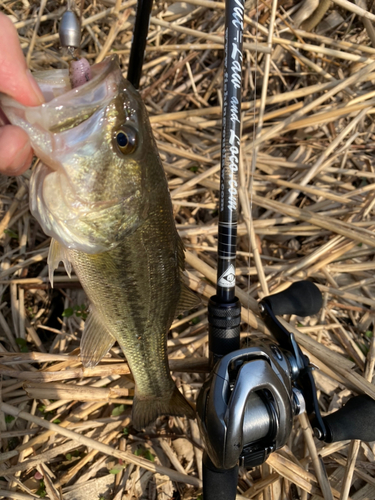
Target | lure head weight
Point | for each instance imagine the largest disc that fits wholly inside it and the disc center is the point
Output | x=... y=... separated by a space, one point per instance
x=70 y=31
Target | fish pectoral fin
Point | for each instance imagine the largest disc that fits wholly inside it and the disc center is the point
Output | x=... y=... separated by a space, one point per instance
x=188 y=300
x=96 y=340
x=147 y=410
x=57 y=253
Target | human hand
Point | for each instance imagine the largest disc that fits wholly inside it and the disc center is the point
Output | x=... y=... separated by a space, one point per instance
x=15 y=80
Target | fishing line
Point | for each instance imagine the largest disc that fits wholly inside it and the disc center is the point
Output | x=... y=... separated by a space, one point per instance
x=253 y=156
x=249 y=180
x=267 y=62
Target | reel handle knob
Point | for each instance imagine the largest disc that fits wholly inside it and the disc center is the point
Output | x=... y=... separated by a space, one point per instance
x=302 y=298
x=354 y=421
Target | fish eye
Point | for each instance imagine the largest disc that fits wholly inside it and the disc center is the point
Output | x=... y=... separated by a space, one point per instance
x=126 y=140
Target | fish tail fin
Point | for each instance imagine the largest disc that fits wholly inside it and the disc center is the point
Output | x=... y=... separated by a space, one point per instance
x=146 y=410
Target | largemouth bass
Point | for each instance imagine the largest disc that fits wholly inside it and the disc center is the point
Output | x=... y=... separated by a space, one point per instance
x=100 y=192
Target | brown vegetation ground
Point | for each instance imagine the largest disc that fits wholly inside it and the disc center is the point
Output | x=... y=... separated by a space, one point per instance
x=307 y=211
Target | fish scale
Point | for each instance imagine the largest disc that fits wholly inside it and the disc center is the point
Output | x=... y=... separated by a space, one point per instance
x=139 y=318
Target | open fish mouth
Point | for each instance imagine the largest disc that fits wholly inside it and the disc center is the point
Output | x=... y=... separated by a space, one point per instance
x=99 y=90
x=79 y=193
x=65 y=108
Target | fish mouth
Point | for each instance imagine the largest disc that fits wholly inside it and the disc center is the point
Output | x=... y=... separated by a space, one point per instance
x=65 y=108
x=73 y=195
x=101 y=76
x=84 y=100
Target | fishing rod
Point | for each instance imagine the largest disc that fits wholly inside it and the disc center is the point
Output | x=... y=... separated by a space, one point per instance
x=224 y=308
x=138 y=45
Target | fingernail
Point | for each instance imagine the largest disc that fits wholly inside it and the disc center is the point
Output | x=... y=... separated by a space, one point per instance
x=39 y=99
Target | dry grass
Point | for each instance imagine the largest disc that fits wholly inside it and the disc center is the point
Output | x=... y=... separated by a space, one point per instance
x=307 y=209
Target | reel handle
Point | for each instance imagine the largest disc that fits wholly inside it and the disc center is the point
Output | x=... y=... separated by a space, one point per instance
x=302 y=298
x=354 y=421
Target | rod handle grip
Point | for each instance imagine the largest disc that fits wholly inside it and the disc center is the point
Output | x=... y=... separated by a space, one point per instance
x=355 y=420
x=218 y=484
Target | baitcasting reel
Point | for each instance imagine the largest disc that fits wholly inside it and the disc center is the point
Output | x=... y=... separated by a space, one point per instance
x=246 y=406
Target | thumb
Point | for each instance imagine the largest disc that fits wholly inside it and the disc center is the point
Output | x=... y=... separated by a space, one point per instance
x=15 y=79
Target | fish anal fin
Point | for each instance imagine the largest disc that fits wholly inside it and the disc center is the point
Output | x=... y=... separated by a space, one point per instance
x=147 y=410
x=57 y=253
x=96 y=340
x=188 y=300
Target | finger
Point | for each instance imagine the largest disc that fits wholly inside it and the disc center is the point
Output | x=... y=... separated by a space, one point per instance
x=15 y=150
x=15 y=78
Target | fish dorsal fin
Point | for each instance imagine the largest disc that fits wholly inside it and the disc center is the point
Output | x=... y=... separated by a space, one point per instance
x=96 y=340
x=188 y=300
x=57 y=253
